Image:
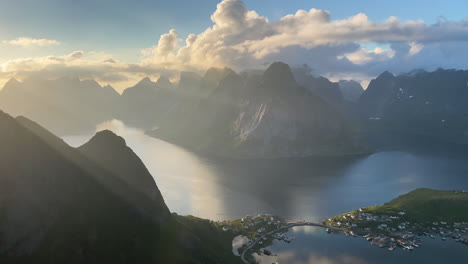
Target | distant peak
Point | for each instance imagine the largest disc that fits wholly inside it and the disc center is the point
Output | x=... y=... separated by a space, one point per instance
x=12 y=83
x=385 y=75
x=215 y=75
x=107 y=138
x=218 y=71
x=91 y=83
x=163 y=79
x=279 y=72
x=145 y=81
x=231 y=77
x=163 y=82
x=278 y=67
x=109 y=89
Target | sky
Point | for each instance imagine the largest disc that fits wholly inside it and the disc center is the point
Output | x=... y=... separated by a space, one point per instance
x=119 y=41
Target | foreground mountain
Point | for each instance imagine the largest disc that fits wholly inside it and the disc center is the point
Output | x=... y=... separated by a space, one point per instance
x=65 y=105
x=268 y=115
x=94 y=204
x=419 y=103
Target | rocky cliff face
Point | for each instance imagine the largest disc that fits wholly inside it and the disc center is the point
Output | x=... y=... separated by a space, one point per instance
x=261 y=116
x=284 y=119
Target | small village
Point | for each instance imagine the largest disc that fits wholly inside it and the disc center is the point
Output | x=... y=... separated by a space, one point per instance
x=393 y=231
x=259 y=231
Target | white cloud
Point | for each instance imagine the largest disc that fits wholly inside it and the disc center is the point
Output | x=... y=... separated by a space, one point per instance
x=363 y=56
x=31 y=42
x=242 y=39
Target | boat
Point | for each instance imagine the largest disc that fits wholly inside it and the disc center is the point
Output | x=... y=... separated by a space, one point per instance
x=392 y=248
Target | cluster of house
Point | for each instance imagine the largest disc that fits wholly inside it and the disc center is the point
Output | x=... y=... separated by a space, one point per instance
x=391 y=231
x=253 y=226
x=457 y=231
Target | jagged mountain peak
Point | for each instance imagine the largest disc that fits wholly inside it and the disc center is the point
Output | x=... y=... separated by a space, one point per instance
x=91 y=83
x=144 y=83
x=215 y=75
x=12 y=82
x=386 y=75
x=107 y=138
x=279 y=74
x=109 y=89
x=163 y=82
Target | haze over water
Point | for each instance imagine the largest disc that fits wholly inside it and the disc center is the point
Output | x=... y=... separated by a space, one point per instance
x=311 y=189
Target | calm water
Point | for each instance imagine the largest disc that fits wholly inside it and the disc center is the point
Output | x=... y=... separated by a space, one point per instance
x=313 y=245
x=310 y=189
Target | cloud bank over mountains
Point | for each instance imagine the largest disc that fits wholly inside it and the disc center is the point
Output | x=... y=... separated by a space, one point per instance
x=356 y=47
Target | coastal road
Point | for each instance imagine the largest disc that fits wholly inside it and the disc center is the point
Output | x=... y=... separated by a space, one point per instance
x=290 y=224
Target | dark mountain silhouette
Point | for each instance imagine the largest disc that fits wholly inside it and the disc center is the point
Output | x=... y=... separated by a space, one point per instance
x=65 y=105
x=215 y=112
x=95 y=204
x=146 y=103
x=189 y=81
x=351 y=90
x=266 y=116
x=425 y=103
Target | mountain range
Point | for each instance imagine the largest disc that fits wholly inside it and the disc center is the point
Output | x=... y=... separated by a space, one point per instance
x=280 y=112
x=250 y=114
x=422 y=103
x=93 y=204
x=261 y=115
x=65 y=106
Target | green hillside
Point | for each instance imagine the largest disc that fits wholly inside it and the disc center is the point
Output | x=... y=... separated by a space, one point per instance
x=427 y=205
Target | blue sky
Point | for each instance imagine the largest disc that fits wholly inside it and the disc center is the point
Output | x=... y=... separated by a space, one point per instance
x=64 y=35
x=126 y=24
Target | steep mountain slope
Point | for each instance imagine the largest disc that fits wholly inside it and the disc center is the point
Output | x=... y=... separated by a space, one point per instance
x=65 y=105
x=266 y=116
x=426 y=103
x=195 y=100
x=351 y=90
x=146 y=103
x=89 y=205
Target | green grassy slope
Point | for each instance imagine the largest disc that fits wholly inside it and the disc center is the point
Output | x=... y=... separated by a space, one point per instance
x=427 y=205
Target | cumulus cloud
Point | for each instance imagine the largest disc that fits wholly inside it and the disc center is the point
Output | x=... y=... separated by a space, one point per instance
x=243 y=39
x=31 y=42
x=240 y=38
x=363 y=56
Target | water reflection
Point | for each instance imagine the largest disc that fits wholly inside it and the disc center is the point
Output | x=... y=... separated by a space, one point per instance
x=313 y=245
x=186 y=181
x=310 y=189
